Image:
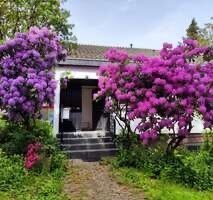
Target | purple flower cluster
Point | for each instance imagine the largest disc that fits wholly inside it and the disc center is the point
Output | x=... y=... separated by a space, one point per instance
x=163 y=92
x=26 y=72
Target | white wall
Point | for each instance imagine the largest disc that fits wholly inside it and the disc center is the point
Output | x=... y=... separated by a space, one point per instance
x=83 y=72
x=196 y=123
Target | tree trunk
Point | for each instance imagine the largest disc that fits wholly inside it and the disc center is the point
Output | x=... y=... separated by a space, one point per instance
x=173 y=144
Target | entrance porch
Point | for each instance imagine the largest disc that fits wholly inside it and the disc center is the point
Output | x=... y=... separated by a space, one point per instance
x=78 y=110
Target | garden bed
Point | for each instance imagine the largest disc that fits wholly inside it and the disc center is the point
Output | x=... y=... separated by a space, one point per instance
x=158 y=189
x=17 y=183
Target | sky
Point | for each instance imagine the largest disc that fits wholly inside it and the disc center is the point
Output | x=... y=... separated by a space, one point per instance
x=144 y=23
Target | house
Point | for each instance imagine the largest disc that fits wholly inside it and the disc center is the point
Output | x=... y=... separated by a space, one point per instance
x=77 y=119
x=74 y=108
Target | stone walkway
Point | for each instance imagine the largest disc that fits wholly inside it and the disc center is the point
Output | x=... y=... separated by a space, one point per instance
x=93 y=181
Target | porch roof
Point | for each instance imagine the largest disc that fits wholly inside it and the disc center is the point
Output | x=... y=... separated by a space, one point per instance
x=93 y=55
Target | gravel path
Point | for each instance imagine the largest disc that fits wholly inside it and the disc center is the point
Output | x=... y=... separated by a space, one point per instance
x=93 y=181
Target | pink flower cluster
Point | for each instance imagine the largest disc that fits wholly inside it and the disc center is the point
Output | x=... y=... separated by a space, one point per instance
x=116 y=56
x=32 y=156
x=163 y=92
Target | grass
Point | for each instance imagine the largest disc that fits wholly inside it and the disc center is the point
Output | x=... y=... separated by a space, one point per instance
x=158 y=189
x=37 y=187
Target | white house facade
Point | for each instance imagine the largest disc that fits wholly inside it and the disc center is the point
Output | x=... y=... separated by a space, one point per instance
x=74 y=109
x=80 y=107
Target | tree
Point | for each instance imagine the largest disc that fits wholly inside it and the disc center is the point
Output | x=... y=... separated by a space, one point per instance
x=207 y=34
x=206 y=39
x=193 y=31
x=26 y=77
x=160 y=92
x=20 y=15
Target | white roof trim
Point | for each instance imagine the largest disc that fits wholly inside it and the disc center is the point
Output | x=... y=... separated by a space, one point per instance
x=83 y=62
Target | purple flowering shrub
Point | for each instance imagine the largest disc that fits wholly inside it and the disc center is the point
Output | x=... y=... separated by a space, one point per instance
x=26 y=73
x=161 y=92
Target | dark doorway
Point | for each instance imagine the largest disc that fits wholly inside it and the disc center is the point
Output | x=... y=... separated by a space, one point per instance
x=71 y=97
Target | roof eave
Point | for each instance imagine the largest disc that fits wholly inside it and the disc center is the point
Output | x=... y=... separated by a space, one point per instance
x=82 y=62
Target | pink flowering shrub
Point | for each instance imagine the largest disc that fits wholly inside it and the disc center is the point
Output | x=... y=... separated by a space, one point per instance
x=162 y=92
x=32 y=156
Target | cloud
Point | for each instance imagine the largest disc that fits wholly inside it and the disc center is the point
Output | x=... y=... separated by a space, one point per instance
x=171 y=28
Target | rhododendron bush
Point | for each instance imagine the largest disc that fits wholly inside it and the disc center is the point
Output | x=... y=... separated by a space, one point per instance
x=26 y=76
x=165 y=91
x=32 y=155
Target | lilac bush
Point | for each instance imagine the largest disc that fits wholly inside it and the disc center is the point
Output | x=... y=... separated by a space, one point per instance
x=161 y=92
x=26 y=73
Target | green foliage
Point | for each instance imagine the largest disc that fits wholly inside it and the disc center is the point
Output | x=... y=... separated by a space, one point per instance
x=58 y=163
x=207 y=33
x=139 y=156
x=192 y=169
x=152 y=160
x=208 y=142
x=157 y=189
x=42 y=183
x=203 y=35
x=19 y=15
x=17 y=183
x=126 y=140
x=14 y=138
x=11 y=171
x=2 y=125
x=193 y=30
x=201 y=163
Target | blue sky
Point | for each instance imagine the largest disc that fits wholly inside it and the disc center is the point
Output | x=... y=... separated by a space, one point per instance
x=144 y=23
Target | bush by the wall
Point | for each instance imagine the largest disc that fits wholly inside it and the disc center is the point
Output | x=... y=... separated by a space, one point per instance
x=193 y=169
x=14 y=138
x=208 y=141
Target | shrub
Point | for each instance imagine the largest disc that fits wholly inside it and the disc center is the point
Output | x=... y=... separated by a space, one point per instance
x=202 y=164
x=14 y=138
x=17 y=183
x=158 y=92
x=26 y=77
x=178 y=172
x=32 y=155
x=59 y=160
x=12 y=172
x=125 y=140
x=208 y=141
x=130 y=157
x=192 y=169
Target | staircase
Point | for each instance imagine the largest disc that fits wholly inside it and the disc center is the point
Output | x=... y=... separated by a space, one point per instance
x=87 y=145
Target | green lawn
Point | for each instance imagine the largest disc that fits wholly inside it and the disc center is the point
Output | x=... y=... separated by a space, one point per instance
x=36 y=187
x=158 y=189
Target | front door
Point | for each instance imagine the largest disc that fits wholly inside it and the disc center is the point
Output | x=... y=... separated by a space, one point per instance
x=86 y=121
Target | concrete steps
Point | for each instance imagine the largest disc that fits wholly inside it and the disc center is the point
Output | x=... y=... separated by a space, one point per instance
x=87 y=145
x=86 y=134
x=79 y=140
x=91 y=154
